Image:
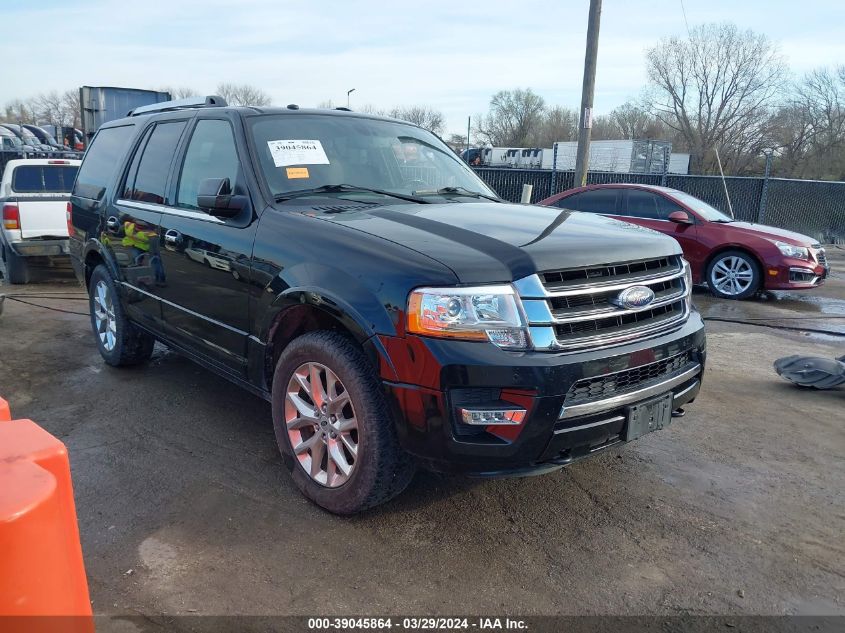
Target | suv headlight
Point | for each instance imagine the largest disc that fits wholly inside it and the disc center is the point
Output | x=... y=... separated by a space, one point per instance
x=481 y=313
x=788 y=250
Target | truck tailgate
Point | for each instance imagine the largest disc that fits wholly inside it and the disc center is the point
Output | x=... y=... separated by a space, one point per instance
x=43 y=216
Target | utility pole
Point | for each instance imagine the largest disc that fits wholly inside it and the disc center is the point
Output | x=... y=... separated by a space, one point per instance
x=582 y=158
x=469 y=122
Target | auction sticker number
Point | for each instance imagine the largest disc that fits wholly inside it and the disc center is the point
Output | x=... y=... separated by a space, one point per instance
x=297 y=152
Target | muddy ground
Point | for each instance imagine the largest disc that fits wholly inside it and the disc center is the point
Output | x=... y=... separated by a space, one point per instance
x=184 y=505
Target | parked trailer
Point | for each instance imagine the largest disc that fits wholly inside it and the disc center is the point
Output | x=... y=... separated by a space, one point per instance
x=530 y=158
x=625 y=157
x=496 y=156
x=102 y=104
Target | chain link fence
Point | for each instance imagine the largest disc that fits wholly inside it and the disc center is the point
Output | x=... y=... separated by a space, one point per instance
x=815 y=208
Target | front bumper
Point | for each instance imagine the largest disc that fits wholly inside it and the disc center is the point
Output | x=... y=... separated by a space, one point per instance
x=794 y=274
x=450 y=375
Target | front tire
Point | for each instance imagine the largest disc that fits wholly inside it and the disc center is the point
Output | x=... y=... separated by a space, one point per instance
x=333 y=425
x=120 y=342
x=733 y=275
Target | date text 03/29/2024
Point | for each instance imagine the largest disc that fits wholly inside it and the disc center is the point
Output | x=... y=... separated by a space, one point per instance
x=417 y=624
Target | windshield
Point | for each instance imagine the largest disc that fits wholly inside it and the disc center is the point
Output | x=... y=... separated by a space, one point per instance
x=711 y=214
x=303 y=152
x=13 y=141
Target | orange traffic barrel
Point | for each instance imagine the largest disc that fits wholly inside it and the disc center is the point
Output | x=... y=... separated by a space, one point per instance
x=5 y=414
x=41 y=567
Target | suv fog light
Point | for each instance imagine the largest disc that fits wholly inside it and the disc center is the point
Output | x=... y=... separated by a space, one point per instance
x=510 y=338
x=486 y=417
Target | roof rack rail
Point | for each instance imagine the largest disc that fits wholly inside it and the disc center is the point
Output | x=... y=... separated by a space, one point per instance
x=211 y=101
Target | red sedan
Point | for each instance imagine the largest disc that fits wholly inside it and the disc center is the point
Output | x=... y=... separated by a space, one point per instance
x=735 y=259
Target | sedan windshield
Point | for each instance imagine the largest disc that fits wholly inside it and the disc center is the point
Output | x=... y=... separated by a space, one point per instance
x=299 y=153
x=711 y=214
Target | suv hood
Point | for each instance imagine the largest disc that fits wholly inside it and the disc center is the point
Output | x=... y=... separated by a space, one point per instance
x=494 y=242
x=771 y=233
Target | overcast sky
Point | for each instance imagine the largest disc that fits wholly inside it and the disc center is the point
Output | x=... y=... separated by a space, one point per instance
x=451 y=55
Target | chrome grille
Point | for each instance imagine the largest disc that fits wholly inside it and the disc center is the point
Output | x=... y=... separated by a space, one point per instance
x=574 y=308
x=559 y=279
x=608 y=385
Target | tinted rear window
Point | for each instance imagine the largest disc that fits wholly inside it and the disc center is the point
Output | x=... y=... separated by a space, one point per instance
x=593 y=201
x=102 y=159
x=43 y=178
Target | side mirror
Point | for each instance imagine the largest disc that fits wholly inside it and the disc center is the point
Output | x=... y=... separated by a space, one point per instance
x=215 y=198
x=680 y=217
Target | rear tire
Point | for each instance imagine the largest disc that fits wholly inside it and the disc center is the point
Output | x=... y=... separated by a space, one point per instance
x=17 y=269
x=344 y=457
x=120 y=342
x=734 y=275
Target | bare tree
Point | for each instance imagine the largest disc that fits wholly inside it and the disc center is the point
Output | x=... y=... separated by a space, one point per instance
x=369 y=108
x=424 y=116
x=243 y=95
x=809 y=131
x=513 y=120
x=72 y=107
x=605 y=128
x=715 y=87
x=180 y=92
x=50 y=108
x=635 y=122
x=19 y=111
x=558 y=124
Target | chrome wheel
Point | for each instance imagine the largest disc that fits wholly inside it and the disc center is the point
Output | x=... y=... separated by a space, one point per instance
x=732 y=275
x=104 y=319
x=321 y=424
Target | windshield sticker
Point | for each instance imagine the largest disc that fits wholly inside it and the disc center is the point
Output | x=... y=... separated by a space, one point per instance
x=297 y=172
x=297 y=152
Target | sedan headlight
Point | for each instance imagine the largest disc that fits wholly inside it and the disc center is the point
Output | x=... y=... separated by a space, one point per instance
x=687 y=276
x=788 y=250
x=482 y=313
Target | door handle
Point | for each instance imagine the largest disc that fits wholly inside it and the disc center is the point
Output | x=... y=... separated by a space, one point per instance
x=173 y=238
x=112 y=224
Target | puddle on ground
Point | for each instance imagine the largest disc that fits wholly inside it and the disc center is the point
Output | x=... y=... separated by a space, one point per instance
x=814 y=311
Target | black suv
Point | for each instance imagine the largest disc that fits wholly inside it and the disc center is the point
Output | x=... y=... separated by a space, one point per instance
x=353 y=271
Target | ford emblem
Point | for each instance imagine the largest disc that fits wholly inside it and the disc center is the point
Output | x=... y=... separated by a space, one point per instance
x=634 y=298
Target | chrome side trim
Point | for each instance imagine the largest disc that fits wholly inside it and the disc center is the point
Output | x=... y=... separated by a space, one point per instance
x=577 y=410
x=681 y=395
x=615 y=418
x=160 y=208
x=184 y=309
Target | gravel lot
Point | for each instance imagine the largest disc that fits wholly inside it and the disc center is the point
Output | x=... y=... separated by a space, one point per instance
x=185 y=507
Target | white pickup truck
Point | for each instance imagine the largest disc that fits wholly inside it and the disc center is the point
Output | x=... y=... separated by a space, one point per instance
x=34 y=194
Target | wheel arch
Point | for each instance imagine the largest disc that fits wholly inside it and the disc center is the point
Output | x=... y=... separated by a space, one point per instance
x=299 y=311
x=94 y=255
x=724 y=248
